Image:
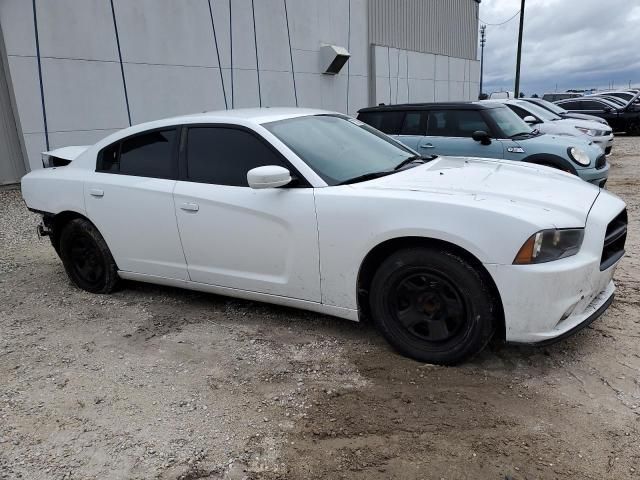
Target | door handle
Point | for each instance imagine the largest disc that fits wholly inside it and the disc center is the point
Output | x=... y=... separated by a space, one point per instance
x=190 y=207
x=96 y=192
x=427 y=145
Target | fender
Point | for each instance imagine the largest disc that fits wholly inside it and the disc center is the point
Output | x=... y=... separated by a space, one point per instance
x=552 y=161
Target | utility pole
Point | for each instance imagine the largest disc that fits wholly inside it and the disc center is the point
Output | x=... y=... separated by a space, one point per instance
x=519 y=58
x=483 y=41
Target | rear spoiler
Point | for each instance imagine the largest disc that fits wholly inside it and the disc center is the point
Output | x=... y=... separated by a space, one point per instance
x=62 y=156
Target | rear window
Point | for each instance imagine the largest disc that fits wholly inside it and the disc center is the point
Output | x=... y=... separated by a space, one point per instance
x=388 y=122
x=146 y=155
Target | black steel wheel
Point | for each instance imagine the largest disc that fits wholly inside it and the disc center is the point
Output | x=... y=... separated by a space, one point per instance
x=428 y=305
x=86 y=257
x=432 y=305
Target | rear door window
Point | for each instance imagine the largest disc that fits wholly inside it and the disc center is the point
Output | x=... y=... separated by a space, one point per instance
x=415 y=123
x=150 y=154
x=573 y=105
x=455 y=123
x=389 y=122
x=592 y=105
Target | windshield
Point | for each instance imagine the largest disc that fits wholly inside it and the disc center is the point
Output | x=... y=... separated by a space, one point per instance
x=339 y=148
x=538 y=111
x=550 y=106
x=510 y=123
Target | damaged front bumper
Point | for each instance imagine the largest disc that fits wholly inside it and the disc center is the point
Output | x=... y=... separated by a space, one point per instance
x=550 y=301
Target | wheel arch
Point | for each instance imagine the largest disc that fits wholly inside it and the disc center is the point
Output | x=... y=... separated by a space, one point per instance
x=377 y=254
x=551 y=160
x=55 y=223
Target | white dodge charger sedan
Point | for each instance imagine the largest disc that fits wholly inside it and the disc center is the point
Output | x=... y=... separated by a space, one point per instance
x=316 y=210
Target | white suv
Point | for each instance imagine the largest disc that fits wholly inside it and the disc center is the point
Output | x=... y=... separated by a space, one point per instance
x=548 y=122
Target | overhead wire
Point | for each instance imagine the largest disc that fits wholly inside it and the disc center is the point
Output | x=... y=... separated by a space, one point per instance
x=501 y=23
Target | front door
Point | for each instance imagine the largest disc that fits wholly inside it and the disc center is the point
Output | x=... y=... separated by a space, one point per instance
x=447 y=132
x=233 y=236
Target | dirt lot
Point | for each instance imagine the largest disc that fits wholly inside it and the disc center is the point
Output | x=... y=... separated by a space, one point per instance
x=161 y=383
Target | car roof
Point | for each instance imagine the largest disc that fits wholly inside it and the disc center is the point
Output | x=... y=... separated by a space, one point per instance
x=595 y=98
x=434 y=106
x=253 y=115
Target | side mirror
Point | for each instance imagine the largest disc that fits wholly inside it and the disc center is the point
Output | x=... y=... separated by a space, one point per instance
x=482 y=137
x=531 y=119
x=608 y=109
x=269 y=176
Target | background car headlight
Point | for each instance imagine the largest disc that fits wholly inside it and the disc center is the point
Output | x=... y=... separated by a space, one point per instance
x=588 y=131
x=579 y=156
x=549 y=245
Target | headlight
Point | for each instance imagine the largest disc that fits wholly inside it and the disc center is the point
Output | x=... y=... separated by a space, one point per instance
x=588 y=131
x=549 y=245
x=579 y=156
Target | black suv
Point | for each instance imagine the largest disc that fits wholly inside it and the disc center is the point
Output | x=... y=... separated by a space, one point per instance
x=620 y=118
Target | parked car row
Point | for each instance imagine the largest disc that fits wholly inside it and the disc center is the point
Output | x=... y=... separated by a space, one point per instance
x=321 y=211
x=621 y=109
x=548 y=122
x=488 y=129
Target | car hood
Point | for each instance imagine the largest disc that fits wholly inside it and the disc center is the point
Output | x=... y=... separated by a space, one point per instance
x=572 y=123
x=558 y=143
x=582 y=116
x=567 y=127
x=517 y=188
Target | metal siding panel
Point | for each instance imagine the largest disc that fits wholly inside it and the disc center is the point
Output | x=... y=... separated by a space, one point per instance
x=12 y=164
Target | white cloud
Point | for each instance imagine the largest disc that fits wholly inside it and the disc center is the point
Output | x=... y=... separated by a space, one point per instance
x=574 y=44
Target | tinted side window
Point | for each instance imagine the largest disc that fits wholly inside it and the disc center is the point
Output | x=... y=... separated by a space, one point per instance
x=109 y=158
x=521 y=112
x=455 y=123
x=223 y=156
x=387 y=122
x=148 y=155
x=415 y=123
x=573 y=105
x=592 y=105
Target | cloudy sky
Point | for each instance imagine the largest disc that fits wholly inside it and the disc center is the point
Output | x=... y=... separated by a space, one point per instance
x=571 y=43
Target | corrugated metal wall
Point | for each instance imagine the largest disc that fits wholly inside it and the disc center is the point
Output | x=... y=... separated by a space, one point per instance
x=12 y=165
x=445 y=27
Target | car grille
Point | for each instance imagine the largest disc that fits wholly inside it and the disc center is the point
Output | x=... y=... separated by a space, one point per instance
x=601 y=161
x=614 y=240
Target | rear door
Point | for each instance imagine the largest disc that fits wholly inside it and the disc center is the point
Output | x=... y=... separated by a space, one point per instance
x=130 y=200
x=234 y=236
x=414 y=129
x=449 y=133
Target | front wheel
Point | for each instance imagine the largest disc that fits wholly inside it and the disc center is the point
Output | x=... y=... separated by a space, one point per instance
x=432 y=305
x=86 y=257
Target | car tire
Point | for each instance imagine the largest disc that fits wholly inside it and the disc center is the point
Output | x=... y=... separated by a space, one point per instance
x=86 y=257
x=432 y=305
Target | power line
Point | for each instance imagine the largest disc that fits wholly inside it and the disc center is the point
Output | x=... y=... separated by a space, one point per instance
x=501 y=23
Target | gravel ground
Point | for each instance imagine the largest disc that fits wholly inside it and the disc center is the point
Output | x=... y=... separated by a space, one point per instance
x=155 y=382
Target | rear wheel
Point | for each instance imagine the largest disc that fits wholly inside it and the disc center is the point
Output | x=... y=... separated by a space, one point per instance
x=432 y=305
x=86 y=257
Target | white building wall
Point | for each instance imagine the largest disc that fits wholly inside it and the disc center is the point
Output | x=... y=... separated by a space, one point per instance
x=196 y=55
x=405 y=76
